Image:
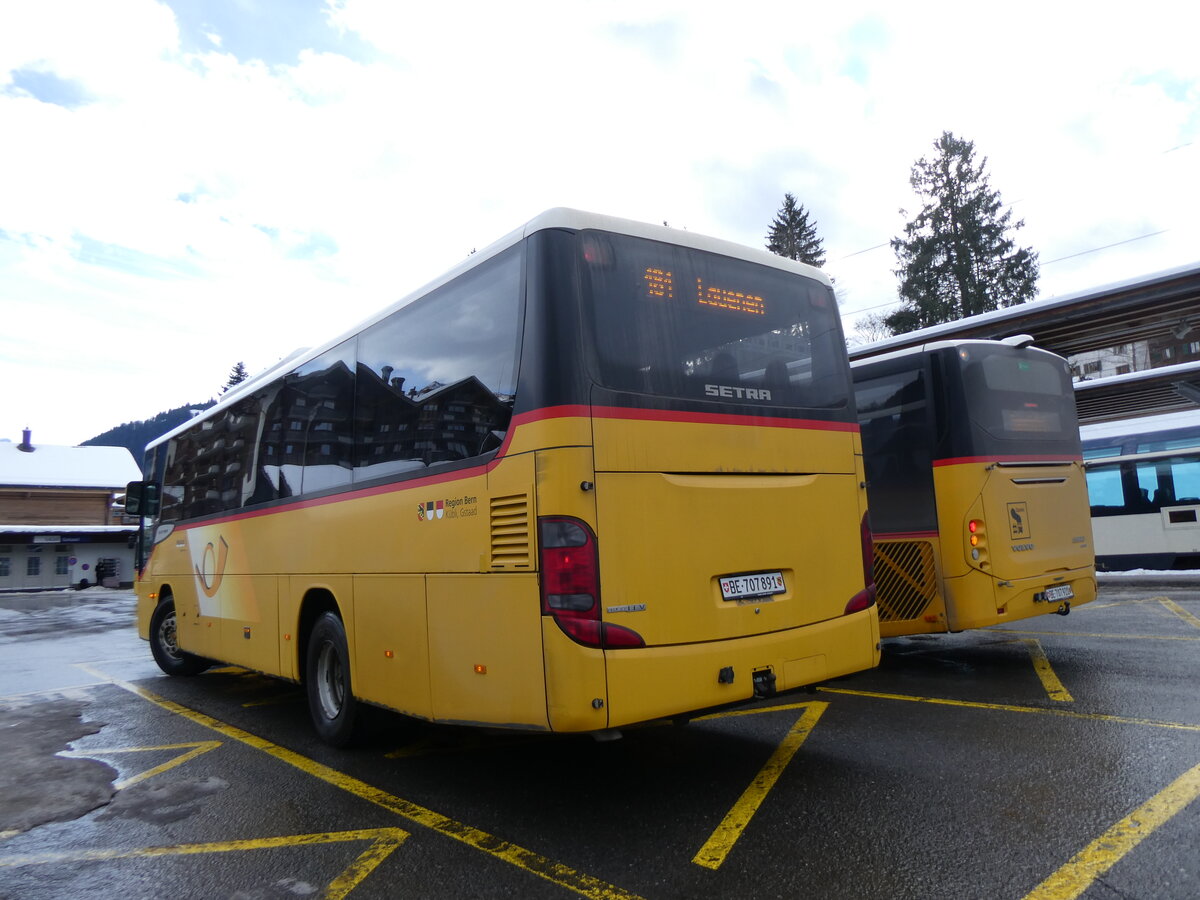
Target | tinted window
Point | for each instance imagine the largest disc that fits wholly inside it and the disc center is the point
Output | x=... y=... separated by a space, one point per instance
x=433 y=382
x=897 y=437
x=672 y=321
x=209 y=468
x=1018 y=396
x=436 y=379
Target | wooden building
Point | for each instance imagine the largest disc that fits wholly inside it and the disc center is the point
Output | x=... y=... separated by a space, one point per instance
x=60 y=520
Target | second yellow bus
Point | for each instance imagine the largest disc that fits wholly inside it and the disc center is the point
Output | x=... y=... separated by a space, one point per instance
x=979 y=504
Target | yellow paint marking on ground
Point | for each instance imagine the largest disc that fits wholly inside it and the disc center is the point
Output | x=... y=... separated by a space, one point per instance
x=196 y=748
x=730 y=713
x=383 y=842
x=1095 y=605
x=1107 y=850
x=717 y=847
x=1041 y=664
x=512 y=854
x=1004 y=707
x=1075 y=634
x=1179 y=611
x=293 y=696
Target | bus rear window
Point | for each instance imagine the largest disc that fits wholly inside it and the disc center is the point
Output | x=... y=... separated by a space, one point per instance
x=1013 y=395
x=683 y=323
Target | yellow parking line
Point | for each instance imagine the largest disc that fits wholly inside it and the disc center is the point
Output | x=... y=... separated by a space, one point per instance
x=383 y=842
x=517 y=856
x=1107 y=850
x=196 y=748
x=1179 y=611
x=1041 y=664
x=1078 y=634
x=717 y=847
x=1004 y=707
x=754 y=711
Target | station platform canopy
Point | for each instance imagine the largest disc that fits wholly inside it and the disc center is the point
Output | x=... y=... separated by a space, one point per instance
x=1156 y=307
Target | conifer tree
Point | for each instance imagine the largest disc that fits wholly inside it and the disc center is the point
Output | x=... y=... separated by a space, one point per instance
x=794 y=235
x=956 y=258
x=237 y=375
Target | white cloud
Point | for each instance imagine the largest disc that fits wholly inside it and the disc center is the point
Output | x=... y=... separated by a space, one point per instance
x=203 y=207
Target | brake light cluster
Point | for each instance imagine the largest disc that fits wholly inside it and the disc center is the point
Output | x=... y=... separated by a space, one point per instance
x=865 y=598
x=977 y=540
x=570 y=582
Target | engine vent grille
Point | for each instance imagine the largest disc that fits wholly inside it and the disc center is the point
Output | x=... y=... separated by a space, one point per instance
x=510 y=532
x=905 y=581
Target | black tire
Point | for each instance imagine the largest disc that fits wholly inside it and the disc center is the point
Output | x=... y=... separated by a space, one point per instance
x=331 y=702
x=165 y=645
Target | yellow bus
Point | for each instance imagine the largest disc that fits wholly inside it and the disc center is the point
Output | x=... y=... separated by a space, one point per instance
x=601 y=473
x=979 y=504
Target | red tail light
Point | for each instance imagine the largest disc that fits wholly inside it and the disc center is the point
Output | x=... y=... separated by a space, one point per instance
x=570 y=579
x=865 y=598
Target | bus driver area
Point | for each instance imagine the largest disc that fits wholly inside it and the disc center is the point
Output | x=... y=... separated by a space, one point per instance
x=1054 y=757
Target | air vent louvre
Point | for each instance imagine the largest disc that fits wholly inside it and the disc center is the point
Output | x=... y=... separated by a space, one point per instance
x=510 y=532
x=905 y=581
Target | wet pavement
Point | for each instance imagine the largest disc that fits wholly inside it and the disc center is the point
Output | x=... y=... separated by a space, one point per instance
x=1057 y=757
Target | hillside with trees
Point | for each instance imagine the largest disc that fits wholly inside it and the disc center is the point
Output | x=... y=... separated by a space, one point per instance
x=136 y=435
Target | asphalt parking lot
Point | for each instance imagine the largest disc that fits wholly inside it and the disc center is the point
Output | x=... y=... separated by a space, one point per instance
x=1056 y=758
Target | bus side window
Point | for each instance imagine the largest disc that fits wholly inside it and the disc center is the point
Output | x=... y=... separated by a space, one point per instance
x=1105 y=493
x=436 y=380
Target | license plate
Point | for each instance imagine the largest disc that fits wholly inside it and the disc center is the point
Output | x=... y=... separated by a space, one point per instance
x=1059 y=592
x=761 y=584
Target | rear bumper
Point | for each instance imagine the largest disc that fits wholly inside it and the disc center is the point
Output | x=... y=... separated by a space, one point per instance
x=661 y=682
x=1016 y=600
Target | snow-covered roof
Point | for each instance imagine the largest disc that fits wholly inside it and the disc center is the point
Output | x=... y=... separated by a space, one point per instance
x=67 y=529
x=62 y=467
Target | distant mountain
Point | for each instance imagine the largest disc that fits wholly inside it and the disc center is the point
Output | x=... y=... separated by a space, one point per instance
x=136 y=435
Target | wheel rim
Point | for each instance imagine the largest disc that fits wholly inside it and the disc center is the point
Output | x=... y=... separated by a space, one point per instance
x=331 y=684
x=167 y=638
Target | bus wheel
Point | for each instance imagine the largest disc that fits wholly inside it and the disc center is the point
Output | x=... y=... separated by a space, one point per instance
x=330 y=701
x=164 y=643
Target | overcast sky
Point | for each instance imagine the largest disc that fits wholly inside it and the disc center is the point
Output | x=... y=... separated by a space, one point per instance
x=193 y=183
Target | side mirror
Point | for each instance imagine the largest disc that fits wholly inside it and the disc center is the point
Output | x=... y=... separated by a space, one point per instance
x=142 y=499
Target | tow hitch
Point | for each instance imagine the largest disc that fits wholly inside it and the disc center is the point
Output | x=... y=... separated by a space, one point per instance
x=1064 y=609
x=764 y=683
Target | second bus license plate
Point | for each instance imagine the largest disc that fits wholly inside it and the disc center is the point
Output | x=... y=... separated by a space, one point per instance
x=761 y=584
x=1059 y=592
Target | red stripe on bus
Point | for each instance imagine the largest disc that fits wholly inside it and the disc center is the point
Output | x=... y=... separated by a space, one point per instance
x=537 y=415
x=664 y=415
x=962 y=460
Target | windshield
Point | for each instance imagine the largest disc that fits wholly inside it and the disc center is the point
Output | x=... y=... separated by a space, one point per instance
x=674 y=321
x=1017 y=397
